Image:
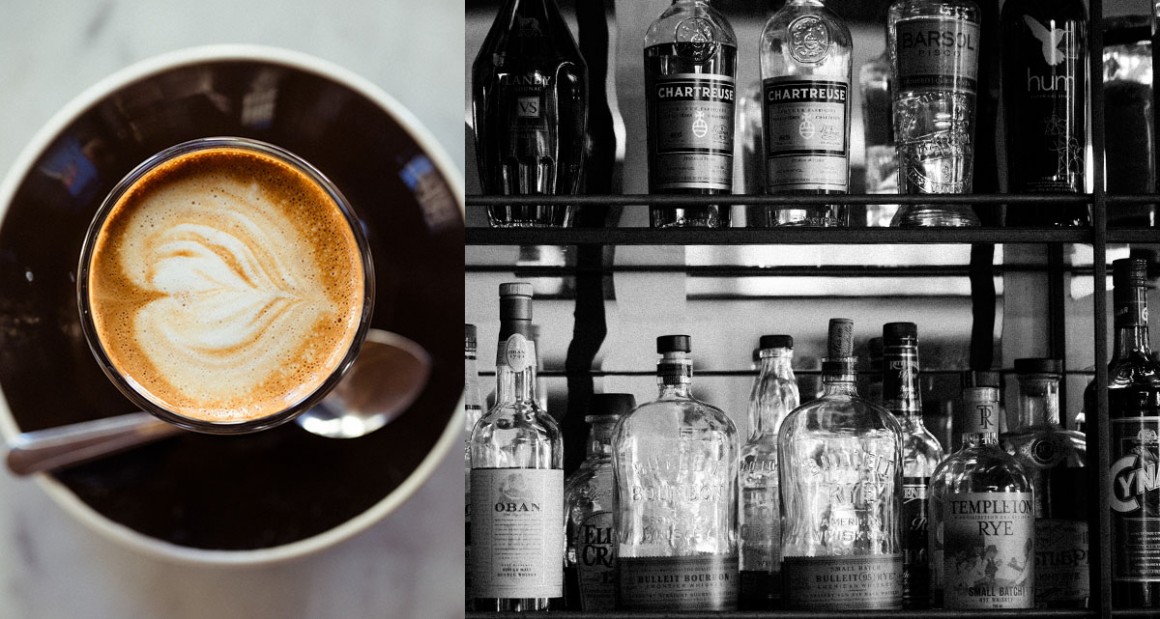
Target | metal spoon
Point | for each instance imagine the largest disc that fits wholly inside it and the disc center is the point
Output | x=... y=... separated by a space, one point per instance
x=389 y=373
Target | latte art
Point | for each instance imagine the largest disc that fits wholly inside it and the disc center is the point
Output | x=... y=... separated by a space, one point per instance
x=226 y=286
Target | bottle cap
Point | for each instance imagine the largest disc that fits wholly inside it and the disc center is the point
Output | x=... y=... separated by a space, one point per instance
x=515 y=301
x=468 y=331
x=1038 y=366
x=975 y=378
x=776 y=341
x=674 y=343
x=840 y=343
x=609 y=405
x=1128 y=272
x=899 y=330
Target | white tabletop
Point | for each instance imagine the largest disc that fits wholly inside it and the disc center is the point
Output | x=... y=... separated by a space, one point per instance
x=409 y=565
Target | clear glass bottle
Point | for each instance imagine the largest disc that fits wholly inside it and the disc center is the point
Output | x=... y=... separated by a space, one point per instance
x=840 y=467
x=517 y=478
x=589 y=559
x=690 y=75
x=921 y=454
x=472 y=411
x=1054 y=460
x=1044 y=58
x=934 y=50
x=878 y=131
x=530 y=112
x=806 y=64
x=676 y=518
x=775 y=394
x=982 y=518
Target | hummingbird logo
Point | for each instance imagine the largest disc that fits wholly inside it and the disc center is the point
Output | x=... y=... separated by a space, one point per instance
x=1050 y=38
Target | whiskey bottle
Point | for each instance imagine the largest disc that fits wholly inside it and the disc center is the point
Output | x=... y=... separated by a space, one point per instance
x=840 y=467
x=690 y=75
x=473 y=410
x=1054 y=460
x=775 y=394
x=1044 y=75
x=934 y=58
x=921 y=453
x=589 y=558
x=806 y=63
x=982 y=515
x=676 y=498
x=517 y=478
x=530 y=112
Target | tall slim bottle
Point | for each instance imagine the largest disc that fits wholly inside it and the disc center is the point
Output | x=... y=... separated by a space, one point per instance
x=806 y=64
x=676 y=498
x=774 y=395
x=473 y=410
x=517 y=478
x=530 y=112
x=690 y=80
x=878 y=132
x=1044 y=77
x=840 y=466
x=921 y=453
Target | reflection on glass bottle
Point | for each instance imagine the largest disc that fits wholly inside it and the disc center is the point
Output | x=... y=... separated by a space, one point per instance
x=934 y=55
x=1128 y=113
x=878 y=131
x=530 y=109
x=690 y=74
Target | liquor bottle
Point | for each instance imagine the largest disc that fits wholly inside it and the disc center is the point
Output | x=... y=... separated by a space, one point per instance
x=921 y=453
x=676 y=517
x=759 y=519
x=806 y=63
x=934 y=59
x=690 y=75
x=1054 y=460
x=517 y=478
x=982 y=518
x=473 y=410
x=1130 y=149
x=878 y=132
x=589 y=559
x=1134 y=410
x=530 y=111
x=840 y=467
x=873 y=388
x=1044 y=75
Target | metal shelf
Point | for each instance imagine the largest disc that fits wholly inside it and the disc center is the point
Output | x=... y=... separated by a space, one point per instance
x=933 y=614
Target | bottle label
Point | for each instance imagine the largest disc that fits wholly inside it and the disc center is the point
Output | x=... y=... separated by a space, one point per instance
x=916 y=563
x=849 y=582
x=805 y=134
x=1135 y=499
x=987 y=543
x=691 y=120
x=594 y=562
x=1061 y=563
x=698 y=583
x=525 y=94
x=809 y=39
x=900 y=380
x=937 y=53
x=517 y=353
x=517 y=533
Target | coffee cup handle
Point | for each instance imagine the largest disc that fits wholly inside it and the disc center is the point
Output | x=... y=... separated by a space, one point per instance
x=64 y=446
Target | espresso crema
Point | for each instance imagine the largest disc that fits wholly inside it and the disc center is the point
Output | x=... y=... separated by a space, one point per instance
x=226 y=285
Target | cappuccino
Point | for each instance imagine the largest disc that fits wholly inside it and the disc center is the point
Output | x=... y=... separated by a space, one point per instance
x=225 y=285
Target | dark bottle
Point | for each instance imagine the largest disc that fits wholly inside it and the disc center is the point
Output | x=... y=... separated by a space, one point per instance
x=1134 y=412
x=530 y=108
x=690 y=74
x=1130 y=152
x=1044 y=79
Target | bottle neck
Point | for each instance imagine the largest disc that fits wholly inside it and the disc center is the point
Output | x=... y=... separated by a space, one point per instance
x=776 y=368
x=900 y=380
x=980 y=416
x=838 y=378
x=1131 y=321
x=674 y=375
x=515 y=367
x=1038 y=400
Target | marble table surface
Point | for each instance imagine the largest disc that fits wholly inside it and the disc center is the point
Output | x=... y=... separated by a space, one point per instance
x=409 y=565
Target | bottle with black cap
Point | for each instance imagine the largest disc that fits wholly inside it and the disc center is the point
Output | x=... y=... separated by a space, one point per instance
x=840 y=467
x=982 y=515
x=589 y=559
x=775 y=394
x=517 y=478
x=676 y=517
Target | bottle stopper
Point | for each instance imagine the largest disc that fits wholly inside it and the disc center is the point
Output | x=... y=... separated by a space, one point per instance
x=841 y=339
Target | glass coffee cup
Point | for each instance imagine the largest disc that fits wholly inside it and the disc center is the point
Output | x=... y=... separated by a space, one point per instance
x=225 y=285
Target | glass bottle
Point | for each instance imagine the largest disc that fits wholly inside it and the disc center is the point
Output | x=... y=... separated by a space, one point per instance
x=676 y=518
x=840 y=467
x=473 y=410
x=1130 y=151
x=878 y=132
x=589 y=560
x=1054 y=460
x=921 y=453
x=934 y=57
x=775 y=394
x=1044 y=58
x=806 y=64
x=873 y=389
x=530 y=112
x=690 y=75
x=982 y=518
x=517 y=478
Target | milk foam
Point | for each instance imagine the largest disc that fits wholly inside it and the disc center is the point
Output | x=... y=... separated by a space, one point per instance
x=223 y=295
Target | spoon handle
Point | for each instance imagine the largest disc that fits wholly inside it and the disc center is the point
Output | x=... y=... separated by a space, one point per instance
x=55 y=448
